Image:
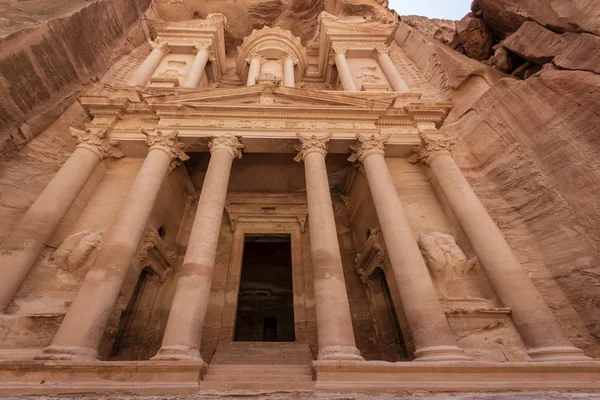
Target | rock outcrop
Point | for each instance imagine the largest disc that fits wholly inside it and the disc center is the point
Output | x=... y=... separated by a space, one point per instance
x=530 y=148
x=44 y=65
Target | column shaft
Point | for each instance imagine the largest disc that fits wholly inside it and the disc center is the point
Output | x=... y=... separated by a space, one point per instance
x=22 y=248
x=289 y=79
x=391 y=73
x=344 y=72
x=183 y=334
x=530 y=313
x=434 y=341
x=253 y=71
x=145 y=71
x=198 y=66
x=334 y=322
x=82 y=329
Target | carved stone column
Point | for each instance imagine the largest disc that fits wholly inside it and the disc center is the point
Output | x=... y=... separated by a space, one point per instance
x=434 y=341
x=145 y=71
x=81 y=331
x=343 y=69
x=390 y=70
x=198 y=66
x=183 y=334
x=334 y=323
x=289 y=78
x=532 y=317
x=254 y=70
x=22 y=248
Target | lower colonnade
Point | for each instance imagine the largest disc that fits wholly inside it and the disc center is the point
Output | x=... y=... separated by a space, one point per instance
x=439 y=363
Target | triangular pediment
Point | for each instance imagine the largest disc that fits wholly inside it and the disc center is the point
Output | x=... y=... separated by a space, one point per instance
x=271 y=96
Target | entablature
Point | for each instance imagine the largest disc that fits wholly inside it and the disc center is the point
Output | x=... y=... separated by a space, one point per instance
x=266 y=118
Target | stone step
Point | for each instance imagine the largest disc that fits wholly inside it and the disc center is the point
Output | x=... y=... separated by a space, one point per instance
x=243 y=378
x=262 y=386
x=267 y=353
x=265 y=369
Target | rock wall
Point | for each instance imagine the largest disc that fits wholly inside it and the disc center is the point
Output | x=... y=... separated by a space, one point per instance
x=530 y=148
x=44 y=66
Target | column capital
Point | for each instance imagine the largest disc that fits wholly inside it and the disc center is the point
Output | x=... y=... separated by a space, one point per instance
x=311 y=144
x=367 y=145
x=383 y=50
x=203 y=45
x=97 y=141
x=432 y=147
x=229 y=143
x=164 y=46
x=168 y=143
x=339 y=48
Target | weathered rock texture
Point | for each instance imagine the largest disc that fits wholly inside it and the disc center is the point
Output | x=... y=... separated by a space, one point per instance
x=44 y=66
x=530 y=148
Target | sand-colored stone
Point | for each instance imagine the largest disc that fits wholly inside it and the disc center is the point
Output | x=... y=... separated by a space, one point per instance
x=135 y=268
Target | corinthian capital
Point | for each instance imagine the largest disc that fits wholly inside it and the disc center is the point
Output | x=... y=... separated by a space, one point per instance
x=311 y=144
x=226 y=142
x=164 y=46
x=168 y=143
x=367 y=145
x=433 y=147
x=96 y=141
x=382 y=50
x=202 y=45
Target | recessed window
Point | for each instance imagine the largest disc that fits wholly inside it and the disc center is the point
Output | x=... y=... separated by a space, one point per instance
x=162 y=232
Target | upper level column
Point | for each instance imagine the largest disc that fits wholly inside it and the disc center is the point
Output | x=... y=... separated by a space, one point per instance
x=289 y=78
x=145 y=71
x=334 y=322
x=343 y=68
x=390 y=70
x=81 y=331
x=533 y=319
x=198 y=65
x=434 y=341
x=22 y=248
x=254 y=71
x=183 y=334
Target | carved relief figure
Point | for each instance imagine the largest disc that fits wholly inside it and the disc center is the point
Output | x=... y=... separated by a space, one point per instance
x=369 y=75
x=77 y=252
x=447 y=262
x=174 y=69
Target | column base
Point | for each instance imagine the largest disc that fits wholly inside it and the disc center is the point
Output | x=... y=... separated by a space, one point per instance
x=441 y=353
x=339 y=353
x=558 y=353
x=178 y=353
x=68 y=353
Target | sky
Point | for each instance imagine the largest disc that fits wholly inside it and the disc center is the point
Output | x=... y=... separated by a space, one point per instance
x=447 y=9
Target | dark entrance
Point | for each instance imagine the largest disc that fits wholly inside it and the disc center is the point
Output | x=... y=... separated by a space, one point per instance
x=265 y=311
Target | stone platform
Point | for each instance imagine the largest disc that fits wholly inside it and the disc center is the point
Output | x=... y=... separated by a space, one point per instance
x=170 y=378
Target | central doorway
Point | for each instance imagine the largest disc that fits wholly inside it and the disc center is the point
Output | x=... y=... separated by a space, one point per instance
x=265 y=309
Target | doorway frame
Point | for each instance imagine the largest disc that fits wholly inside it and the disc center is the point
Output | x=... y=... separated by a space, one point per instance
x=285 y=215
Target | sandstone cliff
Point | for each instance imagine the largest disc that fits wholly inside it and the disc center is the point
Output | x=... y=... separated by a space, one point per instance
x=49 y=51
x=531 y=147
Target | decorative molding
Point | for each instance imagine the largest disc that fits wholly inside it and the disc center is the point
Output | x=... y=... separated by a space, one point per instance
x=311 y=144
x=266 y=209
x=367 y=145
x=168 y=143
x=226 y=142
x=153 y=254
x=97 y=141
x=431 y=148
x=372 y=257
